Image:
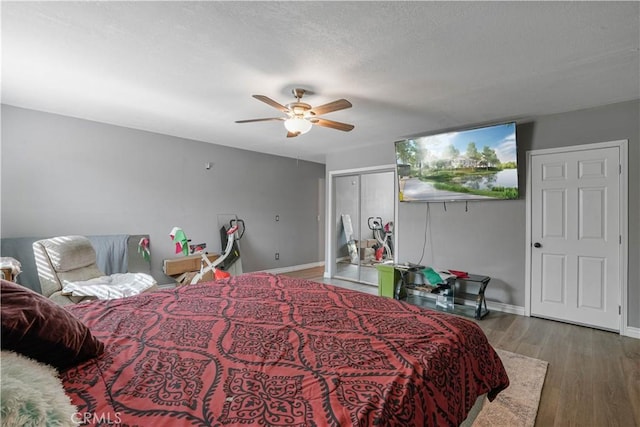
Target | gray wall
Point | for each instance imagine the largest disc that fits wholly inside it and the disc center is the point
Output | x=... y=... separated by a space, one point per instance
x=62 y=175
x=489 y=238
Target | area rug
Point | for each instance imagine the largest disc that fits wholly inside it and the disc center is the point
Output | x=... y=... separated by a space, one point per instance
x=517 y=406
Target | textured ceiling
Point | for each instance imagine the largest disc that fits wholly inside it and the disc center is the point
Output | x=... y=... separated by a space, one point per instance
x=189 y=68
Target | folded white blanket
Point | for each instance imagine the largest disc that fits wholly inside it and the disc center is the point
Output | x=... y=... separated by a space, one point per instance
x=117 y=285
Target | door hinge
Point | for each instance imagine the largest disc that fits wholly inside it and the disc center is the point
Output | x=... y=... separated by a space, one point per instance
x=619 y=310
x=619 y=239
x=619 y=169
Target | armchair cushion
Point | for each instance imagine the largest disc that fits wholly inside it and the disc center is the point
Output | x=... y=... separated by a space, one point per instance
x=64 y=259
x=40 y=329
x=70 y=253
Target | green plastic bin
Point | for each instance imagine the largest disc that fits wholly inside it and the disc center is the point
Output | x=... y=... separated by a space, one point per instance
x=388 y=277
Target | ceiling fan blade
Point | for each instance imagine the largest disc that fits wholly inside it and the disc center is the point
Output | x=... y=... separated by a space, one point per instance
x=292 y=134
x=332 y=124
x=261 y=120
x=271 y=102
x=340 y=104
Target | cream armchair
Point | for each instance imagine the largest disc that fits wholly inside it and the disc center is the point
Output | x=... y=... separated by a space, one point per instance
x=69 y=274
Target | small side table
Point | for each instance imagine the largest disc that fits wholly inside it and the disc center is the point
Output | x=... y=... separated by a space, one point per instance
x=10 y=268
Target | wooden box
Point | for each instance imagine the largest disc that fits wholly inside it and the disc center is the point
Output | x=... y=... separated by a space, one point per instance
x=185 y=278
x=173 y=267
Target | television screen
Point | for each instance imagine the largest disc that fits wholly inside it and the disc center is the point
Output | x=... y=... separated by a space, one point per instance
x=472 y=164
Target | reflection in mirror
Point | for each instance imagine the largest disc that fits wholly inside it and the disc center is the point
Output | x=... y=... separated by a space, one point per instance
x=347 y=200
x=364 y=214
x=376 y=223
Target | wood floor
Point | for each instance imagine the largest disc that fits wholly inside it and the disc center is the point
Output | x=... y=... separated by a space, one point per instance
x=593 y=377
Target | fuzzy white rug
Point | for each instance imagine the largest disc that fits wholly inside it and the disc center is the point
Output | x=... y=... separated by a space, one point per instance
x=517 y=405
x=32 y=394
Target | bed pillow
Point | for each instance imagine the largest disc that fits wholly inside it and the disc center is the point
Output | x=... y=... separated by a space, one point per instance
x=32 y=394
x=40 y=329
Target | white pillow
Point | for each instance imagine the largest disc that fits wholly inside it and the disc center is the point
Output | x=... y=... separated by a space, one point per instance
x=32 y=394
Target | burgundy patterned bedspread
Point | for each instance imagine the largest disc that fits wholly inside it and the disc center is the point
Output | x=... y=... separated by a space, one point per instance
x=269 y=350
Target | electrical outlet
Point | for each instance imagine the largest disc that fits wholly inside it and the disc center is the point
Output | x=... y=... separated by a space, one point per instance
x=277 y=256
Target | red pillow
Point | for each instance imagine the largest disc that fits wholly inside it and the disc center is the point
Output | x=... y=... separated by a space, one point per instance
x=40 y=329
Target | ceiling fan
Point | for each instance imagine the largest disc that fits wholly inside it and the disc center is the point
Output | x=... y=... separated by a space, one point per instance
x=300 y=117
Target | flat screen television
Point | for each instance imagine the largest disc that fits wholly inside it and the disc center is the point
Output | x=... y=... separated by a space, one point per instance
x=471 y=164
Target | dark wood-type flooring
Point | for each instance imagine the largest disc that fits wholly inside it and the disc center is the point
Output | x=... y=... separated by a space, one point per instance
x=593 y=377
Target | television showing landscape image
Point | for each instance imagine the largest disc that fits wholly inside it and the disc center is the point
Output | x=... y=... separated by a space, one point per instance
x=472 y=164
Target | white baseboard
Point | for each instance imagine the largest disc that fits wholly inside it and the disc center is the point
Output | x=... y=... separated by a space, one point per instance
x=628 y=331
x=632 y=332
x=505 y=308
x=498 y=306
x=294 y=267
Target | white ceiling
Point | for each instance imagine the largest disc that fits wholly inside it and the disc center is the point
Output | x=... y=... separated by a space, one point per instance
x=189 y=68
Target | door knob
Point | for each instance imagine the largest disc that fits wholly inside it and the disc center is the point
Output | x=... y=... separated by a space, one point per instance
x=537 y=245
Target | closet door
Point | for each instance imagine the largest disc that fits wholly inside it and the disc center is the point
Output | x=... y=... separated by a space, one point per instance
x=364 y=221
x=377 y=209
x=347 y=231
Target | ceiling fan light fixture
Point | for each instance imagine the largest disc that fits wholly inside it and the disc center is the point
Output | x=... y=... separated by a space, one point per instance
x=300 y=116
x=297 y=125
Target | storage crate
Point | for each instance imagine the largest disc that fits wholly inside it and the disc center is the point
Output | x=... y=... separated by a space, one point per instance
x=388 y=278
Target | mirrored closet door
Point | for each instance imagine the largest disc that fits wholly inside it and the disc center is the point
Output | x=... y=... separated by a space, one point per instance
x=347 y=220
x=364 y=224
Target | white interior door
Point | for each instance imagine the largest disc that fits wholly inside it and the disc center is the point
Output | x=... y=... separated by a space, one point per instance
x=575 y=232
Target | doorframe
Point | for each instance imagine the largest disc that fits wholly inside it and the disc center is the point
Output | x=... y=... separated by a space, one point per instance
x=623 y=218
x=330 y=249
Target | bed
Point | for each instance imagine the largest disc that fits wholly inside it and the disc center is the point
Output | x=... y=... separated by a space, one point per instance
x=270 y=350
